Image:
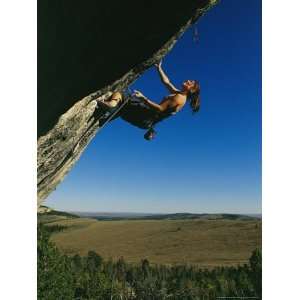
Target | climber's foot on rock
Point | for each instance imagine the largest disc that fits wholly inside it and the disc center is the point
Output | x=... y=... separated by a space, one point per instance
x=105 y=105
x=112 y=102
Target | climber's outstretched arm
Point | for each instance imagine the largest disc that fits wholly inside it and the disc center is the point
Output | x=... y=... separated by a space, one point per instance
x=152 y=104
x=165 y=80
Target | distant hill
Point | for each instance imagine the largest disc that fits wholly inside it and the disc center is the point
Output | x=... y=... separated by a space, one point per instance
x=174 y=216
x=111 y=216
x=189 y=216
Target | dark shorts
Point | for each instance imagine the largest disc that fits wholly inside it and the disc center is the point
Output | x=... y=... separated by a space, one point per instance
x=139 y=114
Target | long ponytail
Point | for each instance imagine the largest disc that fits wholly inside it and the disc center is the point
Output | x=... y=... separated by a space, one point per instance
x=195 y=98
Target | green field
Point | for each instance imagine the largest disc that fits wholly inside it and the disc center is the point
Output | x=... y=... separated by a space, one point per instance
x=206 y=243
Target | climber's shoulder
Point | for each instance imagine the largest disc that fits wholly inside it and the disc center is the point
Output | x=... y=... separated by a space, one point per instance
x=179 y=98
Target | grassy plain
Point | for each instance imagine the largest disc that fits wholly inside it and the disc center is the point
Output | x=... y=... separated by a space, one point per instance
x=206 y=243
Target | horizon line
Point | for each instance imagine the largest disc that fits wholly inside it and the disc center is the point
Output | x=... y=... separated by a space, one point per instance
x=158 y=213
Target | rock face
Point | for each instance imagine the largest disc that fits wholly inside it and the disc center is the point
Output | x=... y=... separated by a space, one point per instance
x=88 y=50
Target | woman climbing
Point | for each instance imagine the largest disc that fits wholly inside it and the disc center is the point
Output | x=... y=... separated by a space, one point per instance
x=145 y=113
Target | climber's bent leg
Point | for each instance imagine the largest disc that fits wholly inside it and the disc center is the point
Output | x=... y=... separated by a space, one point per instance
x=113 y=101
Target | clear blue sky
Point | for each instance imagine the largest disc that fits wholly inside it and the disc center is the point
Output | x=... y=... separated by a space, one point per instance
x=209 y=162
